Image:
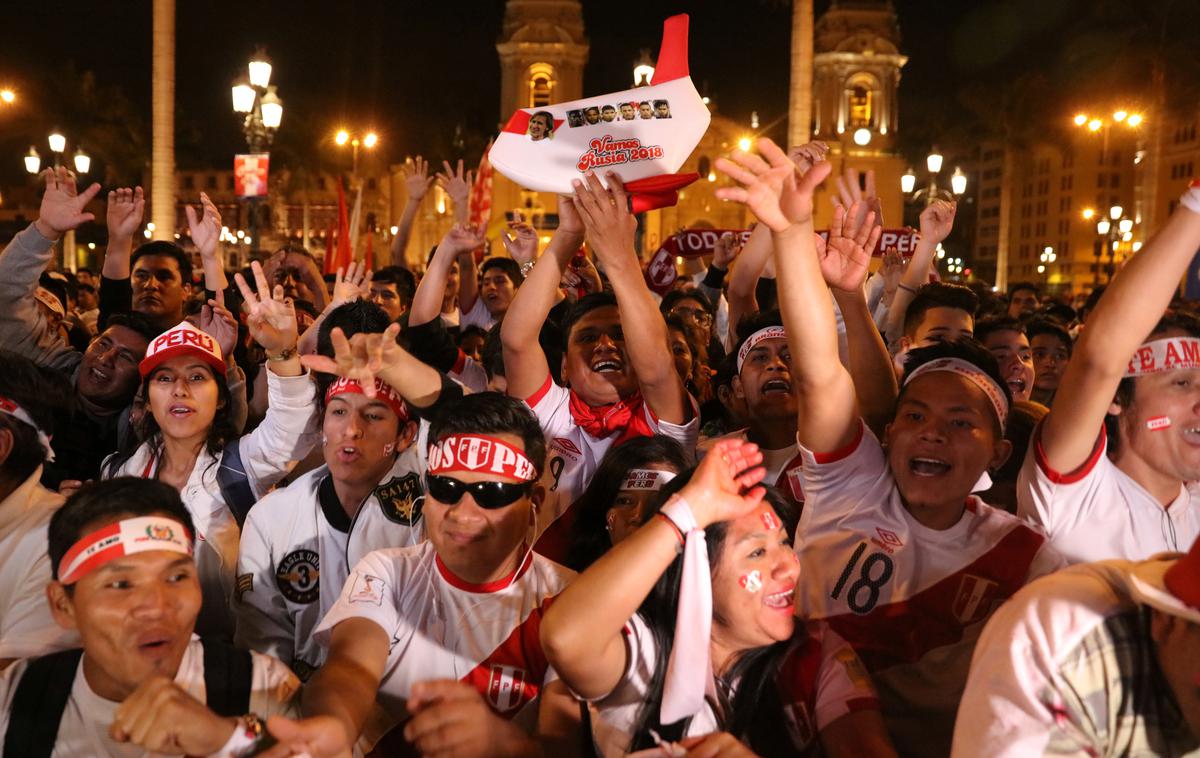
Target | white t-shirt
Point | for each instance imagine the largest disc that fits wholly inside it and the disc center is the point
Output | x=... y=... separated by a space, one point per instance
x=1068 y=667
x=26 y=627
x=911 y=600
x=83 y=730
x=1098 y=512
x=442 y=627
x=478 y=315
x=821 y=681
x=572 y=455
x=783 y=464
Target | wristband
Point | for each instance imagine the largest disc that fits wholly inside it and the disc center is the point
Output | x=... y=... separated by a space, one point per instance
x=715 y=277
x=906 y=288
x=287 y=354
x=674 y=528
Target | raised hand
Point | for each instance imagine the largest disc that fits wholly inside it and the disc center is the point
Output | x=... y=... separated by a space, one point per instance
x=606 y=217
x=417 y=180
x=62 y=206
x=726 y=484
x=215 y=320
x=727 y=248
x=892 y=270
x=126 y=209
x=580 y=277
x=462 y=239
x=569 y=221
x=522 y=246
x=206 y=230
x=270 y=318
x=808 y=155
x=850 y=192
x=770 y=188
x=846 y=257
x=354 y=285
x=456 y=184
x=360 y=357
x=937 y=220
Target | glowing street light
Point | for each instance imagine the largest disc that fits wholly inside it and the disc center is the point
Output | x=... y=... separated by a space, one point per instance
x=370 y=140
x=1102 y=226
x=1119 y=115
x=1115 y=212
x=933 y=161
x=862 y=137
x=7 y=96
x=58 y=143
x=83 y=161
x=958 y=182
x=1134 y=119
x=1095 y=124
x=342 y=137
x=642 y=74
x=1088 y=214
x=908 y=181
x=33 y=161
x=744 y=144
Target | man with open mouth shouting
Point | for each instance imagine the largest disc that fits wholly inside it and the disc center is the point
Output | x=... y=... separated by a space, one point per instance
x=899 y=558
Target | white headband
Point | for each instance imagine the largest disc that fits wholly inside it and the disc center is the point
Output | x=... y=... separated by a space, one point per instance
x=973 y=374
x=766 y=333
x=10 y=408
x=125 y=537
x=645 y=480
x=1164 y=355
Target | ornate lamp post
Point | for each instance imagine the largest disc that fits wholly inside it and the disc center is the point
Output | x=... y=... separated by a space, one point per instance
x=931 y=191
x=255 y=97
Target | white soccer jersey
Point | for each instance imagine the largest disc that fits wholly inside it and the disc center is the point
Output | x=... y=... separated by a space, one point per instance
x=478 y=316
x=572 y=454
x=83 y=730
x=911 y=600
x=783 y=465
x=442 y=627
x=819 y=682
x=26 y=626
x=297 y=548
x=1099 y=512
x=1067 y=668
x=468 y=373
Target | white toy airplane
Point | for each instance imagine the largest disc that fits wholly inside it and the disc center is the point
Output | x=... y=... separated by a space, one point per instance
x=643 y=134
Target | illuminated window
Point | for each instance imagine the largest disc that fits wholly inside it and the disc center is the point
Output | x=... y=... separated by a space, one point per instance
x=541 y=85
x=861 y=93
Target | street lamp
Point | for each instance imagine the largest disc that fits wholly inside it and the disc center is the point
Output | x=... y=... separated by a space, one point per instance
x=82 y=161
x=33 y=161
x=1097 y=123
x=1048 y=256
x=643 y=72
x=255 y=96
x=7 y=96
x=933 y=162
x=1113 y=229
x=368 y=141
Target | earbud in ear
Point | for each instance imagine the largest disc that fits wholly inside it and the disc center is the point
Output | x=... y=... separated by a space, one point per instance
x=388 y=448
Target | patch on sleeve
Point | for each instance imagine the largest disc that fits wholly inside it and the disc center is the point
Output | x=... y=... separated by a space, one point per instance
x=854 y=668
x=367 y=589
x=245 y=583
x=401 y=498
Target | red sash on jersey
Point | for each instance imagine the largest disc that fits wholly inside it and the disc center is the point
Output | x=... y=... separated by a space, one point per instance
x=624 y=416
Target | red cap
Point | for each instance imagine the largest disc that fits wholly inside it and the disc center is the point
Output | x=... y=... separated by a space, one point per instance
x=182 y=339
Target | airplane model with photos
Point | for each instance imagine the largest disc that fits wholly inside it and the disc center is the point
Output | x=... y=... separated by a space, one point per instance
x=643 y=134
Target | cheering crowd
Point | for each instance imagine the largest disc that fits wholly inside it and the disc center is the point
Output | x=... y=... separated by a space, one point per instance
x=528 y=507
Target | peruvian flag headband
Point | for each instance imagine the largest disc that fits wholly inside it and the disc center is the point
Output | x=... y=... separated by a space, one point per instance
x=12 y=409
x=1164 y=355
x=125 y=537
x=383 y=392
x=480 y=454
x=645 y=480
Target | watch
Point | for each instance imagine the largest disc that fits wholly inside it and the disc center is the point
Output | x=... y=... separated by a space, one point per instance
x=527 y=266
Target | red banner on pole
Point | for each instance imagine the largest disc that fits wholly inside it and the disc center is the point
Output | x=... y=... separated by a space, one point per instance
x=250 y=174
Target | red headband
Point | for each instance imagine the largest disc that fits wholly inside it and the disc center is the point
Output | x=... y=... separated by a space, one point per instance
x=132 y=535
x=482 y=454
x=383 y=391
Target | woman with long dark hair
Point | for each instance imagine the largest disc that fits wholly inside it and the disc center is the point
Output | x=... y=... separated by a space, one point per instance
x=686 y=630
x=187 y=437
x=613 y=506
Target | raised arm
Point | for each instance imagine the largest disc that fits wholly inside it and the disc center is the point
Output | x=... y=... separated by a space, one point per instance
x=126 y=208
x=936 y=222
x=417 y=182
x=458 y=186
x=582 y=630
x=427 y=302
x=742 y=280
x=1124 y=317
x=206 y=235
x=828 y=410
x=610 y=228
x=525 y=365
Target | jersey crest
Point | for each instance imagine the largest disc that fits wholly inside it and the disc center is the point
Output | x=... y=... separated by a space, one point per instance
x=974 y=599
x=298 y=576
x=401 y=498
x=507 y=688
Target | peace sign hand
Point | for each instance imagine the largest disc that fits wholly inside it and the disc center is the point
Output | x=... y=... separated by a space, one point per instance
x=271 y=318
x=360 y=357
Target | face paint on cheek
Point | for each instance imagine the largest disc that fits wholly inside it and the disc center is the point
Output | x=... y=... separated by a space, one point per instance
x=1158 y=423
x=751 y=582
x=769 y=520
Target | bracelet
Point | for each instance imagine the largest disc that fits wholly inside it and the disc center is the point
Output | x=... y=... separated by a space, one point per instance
x=526 y=267
x=287 y=354
x=249 y=738
x=906 y=288
x=674 y=528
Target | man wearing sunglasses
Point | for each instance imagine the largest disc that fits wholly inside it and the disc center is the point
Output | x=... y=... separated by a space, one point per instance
x=443 y=636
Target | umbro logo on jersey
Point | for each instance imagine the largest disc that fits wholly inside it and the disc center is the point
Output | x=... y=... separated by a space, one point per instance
x=566 y=446
x=401 y=498
x=888 y=540
x=298 y=576
x=507 y=688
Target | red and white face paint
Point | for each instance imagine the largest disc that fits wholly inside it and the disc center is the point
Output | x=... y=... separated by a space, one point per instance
x=480 y=454
x=1158 y=423
x=645 y=480
x=769 y=520
x=126 y=537
x=383 y=392
x=751 y=582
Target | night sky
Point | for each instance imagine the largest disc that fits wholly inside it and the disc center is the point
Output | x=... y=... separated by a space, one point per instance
x=419 y=72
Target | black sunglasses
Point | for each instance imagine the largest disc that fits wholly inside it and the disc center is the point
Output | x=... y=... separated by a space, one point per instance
x=487 y=494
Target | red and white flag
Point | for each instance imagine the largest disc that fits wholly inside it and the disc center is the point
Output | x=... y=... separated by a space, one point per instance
x=250 y=174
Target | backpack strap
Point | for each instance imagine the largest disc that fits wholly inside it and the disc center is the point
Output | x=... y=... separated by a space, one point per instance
x=38 y=705
x=228 y=673
x=234 y=482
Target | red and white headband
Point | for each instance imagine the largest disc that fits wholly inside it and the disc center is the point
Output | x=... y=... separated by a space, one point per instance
x=1165 y=355
x=383 y=392
x=973 y=374
x=50 y=300
x=10 y=408
x=126 y=537
x=645 y=480
x=767 y=333
x=481 y=454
